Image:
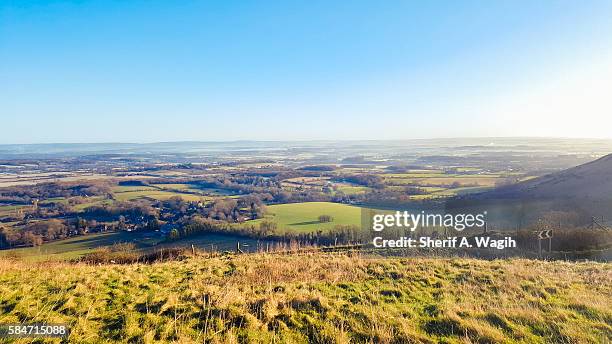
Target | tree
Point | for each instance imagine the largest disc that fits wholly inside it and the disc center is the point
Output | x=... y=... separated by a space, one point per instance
x=325 y=218
x=267 y=227
x=121 y=224
x=174 y=234
x=32 y=239
x=153 y=225
x=48 y=230
x=81 y=225
x=8 y=237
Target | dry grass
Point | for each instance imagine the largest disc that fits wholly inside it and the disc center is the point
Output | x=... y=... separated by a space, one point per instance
x=315 y=297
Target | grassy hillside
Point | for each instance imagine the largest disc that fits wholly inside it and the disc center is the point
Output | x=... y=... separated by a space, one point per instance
x=591 y=180
x=318 y=298
x=303 y=217
x=75 y=247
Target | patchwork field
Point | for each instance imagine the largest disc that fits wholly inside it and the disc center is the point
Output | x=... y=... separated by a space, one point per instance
x=314 y=298
x=439 y=184
x=304 y=217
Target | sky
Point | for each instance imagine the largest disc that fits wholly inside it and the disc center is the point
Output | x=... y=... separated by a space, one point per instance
x=150 y=71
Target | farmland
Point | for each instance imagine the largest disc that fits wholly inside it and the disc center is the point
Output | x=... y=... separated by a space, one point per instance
x=431 y=183
x=74 y=248
x=162 y=192
x=236 y=192
x=303 y=217
x=442 y=184
x=314 y=297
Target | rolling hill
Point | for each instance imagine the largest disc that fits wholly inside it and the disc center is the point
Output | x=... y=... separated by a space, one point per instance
x=592 y=180
x=584 y=191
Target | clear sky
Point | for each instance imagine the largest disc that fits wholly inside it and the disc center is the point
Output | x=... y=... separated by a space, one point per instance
x=144 y=71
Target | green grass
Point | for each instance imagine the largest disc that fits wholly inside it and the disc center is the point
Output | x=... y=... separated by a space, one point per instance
x=67 y=249
x=92 y=201
x=174 y=186
x=314 y=298
x=188 y=192
x=303 y=217
x=8 y=210
x=412 y=175
x=461 y=190
x=212 y=191
x=353 y=190
x=76 y=246
x=54 y=200
x=132 y=188
x=158 y=195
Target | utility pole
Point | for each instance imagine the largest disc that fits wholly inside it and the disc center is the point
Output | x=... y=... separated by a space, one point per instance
x=550 y=244
x=540 y=247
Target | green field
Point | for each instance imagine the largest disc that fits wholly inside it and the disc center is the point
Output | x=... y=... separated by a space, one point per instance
x=92 y=201
x=188 y=192
x=353 y=190
x=174 y=186
x=313 y=298
x=8 y=210
x=76 y=246
x=132 y=188
x=158 y=195
x=303 y=217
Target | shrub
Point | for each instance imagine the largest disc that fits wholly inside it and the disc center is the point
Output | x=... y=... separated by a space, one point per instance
x=325 y=218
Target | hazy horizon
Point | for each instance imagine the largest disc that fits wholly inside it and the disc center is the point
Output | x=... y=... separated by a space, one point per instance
x=466 y=138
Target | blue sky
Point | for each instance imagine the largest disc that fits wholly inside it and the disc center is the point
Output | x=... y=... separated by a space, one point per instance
x=144 y=71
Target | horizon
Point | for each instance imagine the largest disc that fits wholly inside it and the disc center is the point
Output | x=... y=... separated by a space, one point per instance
x=154 y=71
x=466 y=138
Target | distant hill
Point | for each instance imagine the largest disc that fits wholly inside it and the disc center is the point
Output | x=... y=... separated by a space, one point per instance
x=584 y=191
x=592 y=180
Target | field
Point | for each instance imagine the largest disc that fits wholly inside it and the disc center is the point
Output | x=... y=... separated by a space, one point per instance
x=193 y=188
x=126 y=193
x=444 y=184
x=352 y=190
x=314 y=298
x=304 y=217
x=7 y=210
x=442 y=179
x=75 y=247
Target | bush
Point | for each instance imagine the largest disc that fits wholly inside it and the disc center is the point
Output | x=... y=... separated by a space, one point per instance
x=127 y=253
x=325 y=218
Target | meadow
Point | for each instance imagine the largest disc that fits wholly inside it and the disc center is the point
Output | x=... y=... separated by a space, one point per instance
x=314 y=298
x=77 y=246
x=74 y=248
x=304 y=217
x=162 y=192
